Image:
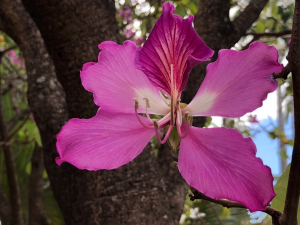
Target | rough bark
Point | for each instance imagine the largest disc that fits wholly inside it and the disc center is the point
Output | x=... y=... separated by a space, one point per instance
x=37 y=214
x=290 y=211
x=45 y=95
x=134 y=193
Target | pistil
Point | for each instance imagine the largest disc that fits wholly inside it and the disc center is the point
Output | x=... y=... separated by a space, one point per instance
x=173 y=97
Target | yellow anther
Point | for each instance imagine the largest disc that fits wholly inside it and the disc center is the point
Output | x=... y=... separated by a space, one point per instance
x=136 y=105
x=147 y=102
x=155 y=123
x=186 y=116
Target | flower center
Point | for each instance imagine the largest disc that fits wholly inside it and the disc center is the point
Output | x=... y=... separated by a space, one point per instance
x=174 y=118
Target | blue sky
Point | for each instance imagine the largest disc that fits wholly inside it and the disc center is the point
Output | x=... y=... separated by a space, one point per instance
x=267 y=148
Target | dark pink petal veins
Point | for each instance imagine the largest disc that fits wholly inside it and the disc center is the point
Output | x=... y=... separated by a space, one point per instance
x=173 y=41
x=237 y=82
x=106 y=141
x=221 y=163
x=115 y=81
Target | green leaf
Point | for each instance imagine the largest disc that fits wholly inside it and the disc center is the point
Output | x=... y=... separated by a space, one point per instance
x=174 y=139
x=180 y=10
x=283 y=154
x=185 y=2
x=193 y=8
x=260 y=27
x=208 y=121
x=280 y=190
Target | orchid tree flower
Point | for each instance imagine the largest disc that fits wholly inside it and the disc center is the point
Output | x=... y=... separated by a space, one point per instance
x=139 y=89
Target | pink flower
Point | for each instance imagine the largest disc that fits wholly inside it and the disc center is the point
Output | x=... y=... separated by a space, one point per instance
x=127 y=81
x=252 y=119
x=15 y=59
x=126 y=13
x=129 y=33
x=138 y=41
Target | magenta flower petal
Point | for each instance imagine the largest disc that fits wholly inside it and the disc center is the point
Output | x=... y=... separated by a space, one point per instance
x=237 y=82
x=221 y=163
x=106 y=141
x=115 y=81
x=174 y=41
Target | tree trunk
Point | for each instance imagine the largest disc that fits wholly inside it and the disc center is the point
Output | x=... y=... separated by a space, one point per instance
x=145 y=191
x=135 y=193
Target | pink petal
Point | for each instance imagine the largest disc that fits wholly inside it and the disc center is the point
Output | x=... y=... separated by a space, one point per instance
x=220 y=163
x=237 y=82
x=173 y=40
x=106 y=141
x=115 y=81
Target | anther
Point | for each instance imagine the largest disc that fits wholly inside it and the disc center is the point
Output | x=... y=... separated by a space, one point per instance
x=147 y=102
x=136 y=103
x=155 y=123
x=186 y=116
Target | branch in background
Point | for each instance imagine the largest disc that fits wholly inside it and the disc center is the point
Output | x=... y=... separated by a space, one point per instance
x=13 y=121
x=290 y=211
x=14 y=191
x=257 y=36
x=284 y=72
x=246 y=18
x=4 y=208
x=37 y=214
x=270 y=34
x=275 y=214
x=2 y=53
x=17 y=129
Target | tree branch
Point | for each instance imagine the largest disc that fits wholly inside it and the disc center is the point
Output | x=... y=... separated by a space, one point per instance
x=275 y=214
x=14 y=191
x=246 y=18
x=270 y=34
x=37 y=214
x=290 y=211
x=6 y=50
x=13 y=121
x=284 y=72
x=4 y=208
x=17 y=129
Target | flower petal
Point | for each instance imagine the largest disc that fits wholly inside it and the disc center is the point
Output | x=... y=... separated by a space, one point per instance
x=115 y=81
x=237 y=82
x=220 y=163
x=106 y=141
x=173 y=40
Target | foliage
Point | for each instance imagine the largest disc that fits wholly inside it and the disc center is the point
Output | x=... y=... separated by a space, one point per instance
x=21 y=124
x=280 y=189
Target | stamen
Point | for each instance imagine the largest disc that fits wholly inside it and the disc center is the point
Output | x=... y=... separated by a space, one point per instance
x=147 y=106
x=147 y=102
x=136 y=103
x=186 y=131
x=186 y=118
x=178 y=118
x=136 y=106
x=166 y=135
x=179 y=113
x=172 y=96
x=155 y=123
x=164 y=120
